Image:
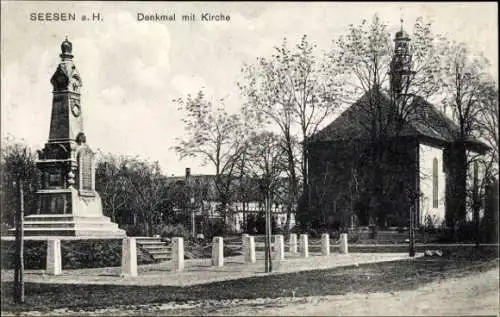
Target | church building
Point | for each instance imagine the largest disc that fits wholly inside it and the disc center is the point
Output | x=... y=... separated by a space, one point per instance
x=390 y=155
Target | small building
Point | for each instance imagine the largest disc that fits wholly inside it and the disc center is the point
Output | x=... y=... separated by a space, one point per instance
x=245 y=202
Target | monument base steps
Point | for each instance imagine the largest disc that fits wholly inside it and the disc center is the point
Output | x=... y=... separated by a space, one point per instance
x=68 y=225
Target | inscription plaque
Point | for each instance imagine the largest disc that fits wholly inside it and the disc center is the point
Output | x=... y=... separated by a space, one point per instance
x=86 y=172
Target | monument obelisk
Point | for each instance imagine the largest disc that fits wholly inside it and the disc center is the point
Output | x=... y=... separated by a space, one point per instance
x=68 y=204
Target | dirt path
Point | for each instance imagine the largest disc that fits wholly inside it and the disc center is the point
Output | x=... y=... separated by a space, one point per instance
x=476 y=294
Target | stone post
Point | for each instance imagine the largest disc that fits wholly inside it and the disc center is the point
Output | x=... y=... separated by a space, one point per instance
x=325 y=244
x=292 y=247
x=343 y=243
x=54 y=261
x=304 y=246
x=249 y=251
x=218 y=252
x=279 y=247
x=129 y=257
x=244 y=243
x=178 y=253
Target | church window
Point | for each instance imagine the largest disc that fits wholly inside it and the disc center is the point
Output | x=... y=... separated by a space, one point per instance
x=435 y=198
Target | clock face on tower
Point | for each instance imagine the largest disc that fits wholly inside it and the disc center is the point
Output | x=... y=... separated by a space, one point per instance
x=75 y=108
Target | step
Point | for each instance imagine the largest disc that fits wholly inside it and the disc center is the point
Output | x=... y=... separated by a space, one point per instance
x=71 y=231
x=58 y=218
x=49 y=218
x=149 y=241
x=49 y=224
x=69 y=225
x=160 y=254
x=161 y=257
x=155 y=247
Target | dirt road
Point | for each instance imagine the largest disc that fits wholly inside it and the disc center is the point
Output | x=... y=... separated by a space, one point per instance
x=476 y=294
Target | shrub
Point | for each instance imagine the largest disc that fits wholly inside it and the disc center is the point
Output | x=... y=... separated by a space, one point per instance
x=35 y=254
x=278 y=230
x=75 y=254
x=464 y=232
x=214 y=228
x=133 y=230
x=312 y=233
x=177 y=230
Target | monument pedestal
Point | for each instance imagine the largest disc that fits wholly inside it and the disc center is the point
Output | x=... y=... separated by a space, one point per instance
x=85 y=218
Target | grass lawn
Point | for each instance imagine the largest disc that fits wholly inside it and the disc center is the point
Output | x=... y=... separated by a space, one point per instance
x=375 y=277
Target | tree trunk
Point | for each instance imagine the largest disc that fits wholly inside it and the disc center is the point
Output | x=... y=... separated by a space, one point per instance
x=292 y=185
x=476 y=205
x=269 y=233
x=292 y=196
x=19 y=269
x=266 y=241
x=305 y=178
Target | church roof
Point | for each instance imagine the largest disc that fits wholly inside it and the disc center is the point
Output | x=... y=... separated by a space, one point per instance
x=376 y=109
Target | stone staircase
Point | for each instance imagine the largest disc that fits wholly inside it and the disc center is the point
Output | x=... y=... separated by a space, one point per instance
x=154 y=247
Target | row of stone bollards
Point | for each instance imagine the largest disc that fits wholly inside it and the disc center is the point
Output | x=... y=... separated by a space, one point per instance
x=279 y=246
x=129 y=251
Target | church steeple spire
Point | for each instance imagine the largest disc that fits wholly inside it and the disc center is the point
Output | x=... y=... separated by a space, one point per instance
x=401 y=64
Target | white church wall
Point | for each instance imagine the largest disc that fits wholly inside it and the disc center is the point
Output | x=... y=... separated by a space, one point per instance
x=427 y=154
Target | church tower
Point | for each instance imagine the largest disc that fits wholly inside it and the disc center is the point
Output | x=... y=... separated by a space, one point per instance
x=401 y=65
x=68 y=204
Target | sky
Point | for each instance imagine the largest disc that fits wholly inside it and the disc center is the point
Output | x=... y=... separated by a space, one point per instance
x=132 y=70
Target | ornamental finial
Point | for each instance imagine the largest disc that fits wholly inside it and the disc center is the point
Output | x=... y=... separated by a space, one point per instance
x=66 y=49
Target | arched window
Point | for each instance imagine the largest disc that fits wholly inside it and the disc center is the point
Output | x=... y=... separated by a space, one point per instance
x=435 y=196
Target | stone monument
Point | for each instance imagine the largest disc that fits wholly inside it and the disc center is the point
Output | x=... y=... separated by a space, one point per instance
x=68 y=204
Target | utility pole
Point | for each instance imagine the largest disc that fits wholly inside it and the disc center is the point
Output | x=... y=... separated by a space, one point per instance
x=412 y=232
x=19 y=268
x=412 y=197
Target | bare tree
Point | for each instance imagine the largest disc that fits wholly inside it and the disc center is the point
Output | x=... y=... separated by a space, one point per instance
x=488 y=125
x=291 y=90
x=266 y=158
x=148 y=188
x=16 y=160
x=19 y=172
x=113 y=185
x=469 y=93
x=214 y=135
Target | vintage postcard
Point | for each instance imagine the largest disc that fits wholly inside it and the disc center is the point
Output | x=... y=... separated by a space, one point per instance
x=249 y=158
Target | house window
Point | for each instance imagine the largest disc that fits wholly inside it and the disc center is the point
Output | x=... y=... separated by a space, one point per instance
x=435 y=198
